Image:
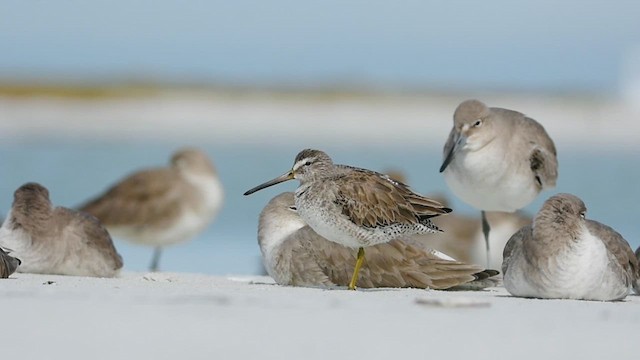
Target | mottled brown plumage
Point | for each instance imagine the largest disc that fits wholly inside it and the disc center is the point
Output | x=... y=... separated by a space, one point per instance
x=355 y=207
x=56 y=240
x=296 y=255
x=8 y=264
x=372 y=199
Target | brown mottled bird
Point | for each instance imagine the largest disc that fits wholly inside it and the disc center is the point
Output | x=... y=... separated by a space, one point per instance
x=497 y=159
x=162 y=206
x=564 y=255
x=294 y=254
x=8 y=264
x=356 y=207
x=56 y=240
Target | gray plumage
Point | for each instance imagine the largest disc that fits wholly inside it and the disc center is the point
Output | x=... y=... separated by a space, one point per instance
x=505 y=144
x=56 y=240
x=564 y=255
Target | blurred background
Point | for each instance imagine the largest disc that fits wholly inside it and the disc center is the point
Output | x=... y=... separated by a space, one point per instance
x=91 y=91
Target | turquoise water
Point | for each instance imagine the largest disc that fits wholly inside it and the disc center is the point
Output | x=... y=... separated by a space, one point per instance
x=75 y=171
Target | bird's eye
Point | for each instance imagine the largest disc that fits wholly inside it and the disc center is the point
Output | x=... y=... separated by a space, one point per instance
x=307 y=163
x=582 y=214
x=293 y=208
x=477 y=123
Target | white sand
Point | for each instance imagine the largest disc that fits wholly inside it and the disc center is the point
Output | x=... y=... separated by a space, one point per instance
x=274 y=118
x=189 y=316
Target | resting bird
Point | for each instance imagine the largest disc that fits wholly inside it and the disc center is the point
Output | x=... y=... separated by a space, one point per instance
x=56 y=240
x=563 y=255
x=294 y=254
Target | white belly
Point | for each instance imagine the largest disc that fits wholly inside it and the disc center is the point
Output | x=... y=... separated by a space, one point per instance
x=583 y=272
x=487 y=180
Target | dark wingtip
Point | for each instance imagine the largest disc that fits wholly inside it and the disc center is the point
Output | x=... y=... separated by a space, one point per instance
x=485 y=274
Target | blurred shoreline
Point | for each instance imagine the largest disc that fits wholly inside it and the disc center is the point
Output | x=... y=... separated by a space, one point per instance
x=271 y=116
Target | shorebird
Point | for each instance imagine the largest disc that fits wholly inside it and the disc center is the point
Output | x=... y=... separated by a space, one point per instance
x=355 y=207
x=56 y=240
x=294 y=254
x=162 y=206
x=497 y=159
x=563 y=255
x=463 y=238
x=8 y=264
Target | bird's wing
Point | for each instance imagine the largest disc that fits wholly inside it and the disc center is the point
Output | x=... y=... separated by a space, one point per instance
x=88 y=230
x=8 y=264
x=377 y=200
x=514 y=246
x=393 y=264
x=619 y=250
x=295 y=259
x=543 y=157
x=140 y=199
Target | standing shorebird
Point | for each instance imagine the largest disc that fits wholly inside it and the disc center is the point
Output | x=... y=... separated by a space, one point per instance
x=8 y=264
x=497 y=159
x=355 y=207
x=56 y=240
x=562 y=255
x=163 y=206
x=294 y=254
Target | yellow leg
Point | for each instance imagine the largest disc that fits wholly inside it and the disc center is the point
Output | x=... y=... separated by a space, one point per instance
x=359 y=261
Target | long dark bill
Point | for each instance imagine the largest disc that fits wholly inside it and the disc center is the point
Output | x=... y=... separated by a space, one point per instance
x=282 y=178
x=456 y=145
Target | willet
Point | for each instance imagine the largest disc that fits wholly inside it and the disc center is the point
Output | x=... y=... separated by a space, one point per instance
x=497 y=159
x=56 y=240
x=163 y=206
x=564 y=255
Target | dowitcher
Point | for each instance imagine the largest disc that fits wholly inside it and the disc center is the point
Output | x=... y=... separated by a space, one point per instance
x=294 y=254
x=355 y=207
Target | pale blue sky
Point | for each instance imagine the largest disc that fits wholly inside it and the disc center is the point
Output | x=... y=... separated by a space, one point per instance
x=545 y=44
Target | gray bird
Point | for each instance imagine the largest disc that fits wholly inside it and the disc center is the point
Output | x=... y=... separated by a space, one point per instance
x=497 y=159
x=162 y=206
x=56 y=240
x=563 y=255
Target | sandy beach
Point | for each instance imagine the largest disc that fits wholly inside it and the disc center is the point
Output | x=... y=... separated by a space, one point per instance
x=170 y=315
